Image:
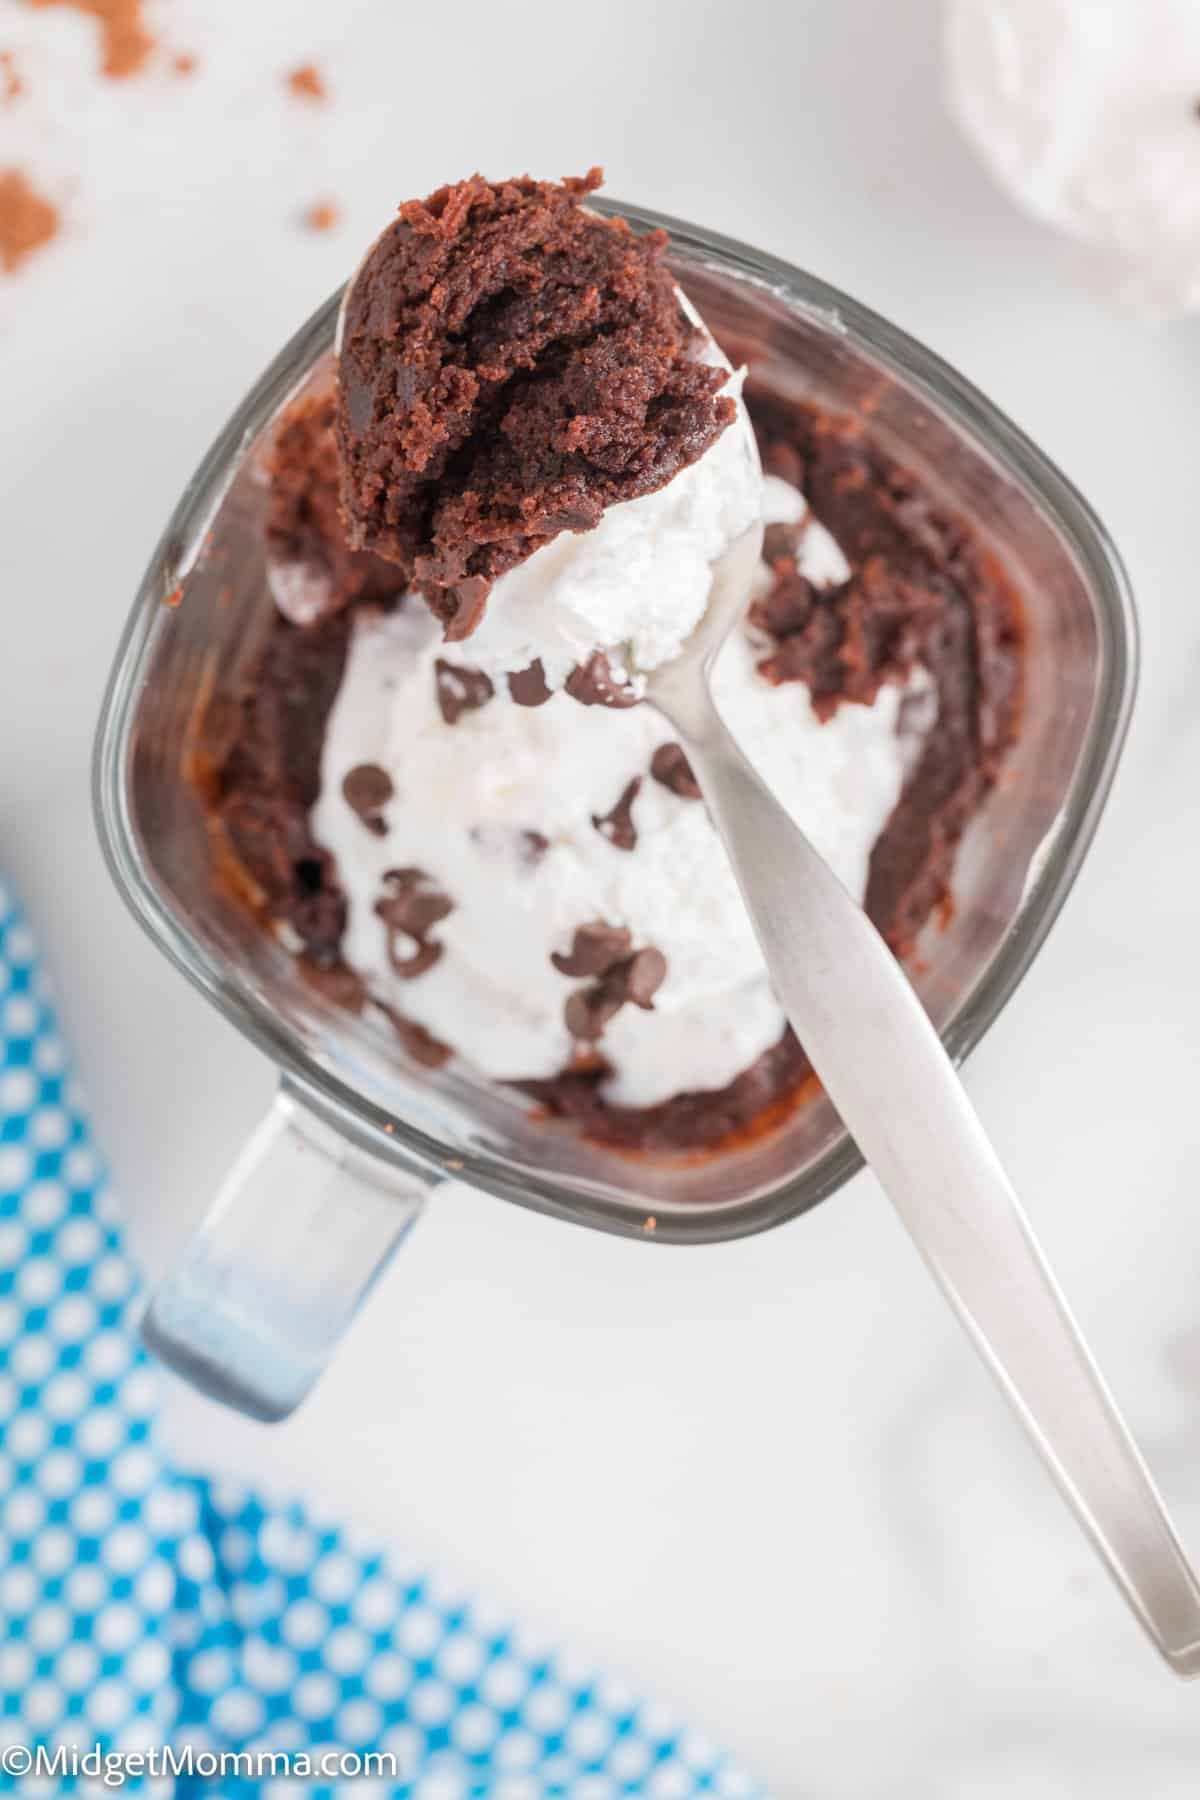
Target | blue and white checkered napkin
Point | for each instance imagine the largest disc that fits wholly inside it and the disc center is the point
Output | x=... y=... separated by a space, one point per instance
x=142 y=1606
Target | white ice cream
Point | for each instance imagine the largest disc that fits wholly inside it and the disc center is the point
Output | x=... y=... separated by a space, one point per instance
x=1086 y=110
x=466 y=795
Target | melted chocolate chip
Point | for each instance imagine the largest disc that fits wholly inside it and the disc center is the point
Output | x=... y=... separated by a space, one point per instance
x=618 y=826
x=671 y=768
x=595 y=949
x=366 y=791
x=460 y=690
x=594 y=684
x=528 y=686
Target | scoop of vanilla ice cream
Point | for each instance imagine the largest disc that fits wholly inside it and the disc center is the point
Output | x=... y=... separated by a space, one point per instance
x=1086 y=111
x=468 y=796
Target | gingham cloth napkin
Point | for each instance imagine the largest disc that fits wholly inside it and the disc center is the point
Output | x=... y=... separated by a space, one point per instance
x=141 y=1605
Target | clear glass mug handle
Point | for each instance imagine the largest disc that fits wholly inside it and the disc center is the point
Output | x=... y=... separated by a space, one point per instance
x=303 y=1224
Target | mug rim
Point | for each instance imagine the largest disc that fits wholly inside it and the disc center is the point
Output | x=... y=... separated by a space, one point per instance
x=373 y=1128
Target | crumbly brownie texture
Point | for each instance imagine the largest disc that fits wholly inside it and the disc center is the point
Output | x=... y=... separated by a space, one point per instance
x=921 y=590
x=511 y=365
x=27 y=220
x=261 y=794
x=303 y=526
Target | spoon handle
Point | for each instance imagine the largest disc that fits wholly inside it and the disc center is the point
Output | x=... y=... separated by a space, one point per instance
x=884 y=1068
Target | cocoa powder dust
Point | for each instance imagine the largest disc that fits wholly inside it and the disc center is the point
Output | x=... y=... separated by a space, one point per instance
x=27 y=220
x=125 y=43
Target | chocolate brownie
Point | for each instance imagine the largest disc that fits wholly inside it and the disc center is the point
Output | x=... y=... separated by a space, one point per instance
x=511 y=364
x=313 y=570
x=920 y=590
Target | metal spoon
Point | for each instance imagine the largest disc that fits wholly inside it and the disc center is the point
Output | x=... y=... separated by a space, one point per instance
x=884 y=1068
x=896 y=1090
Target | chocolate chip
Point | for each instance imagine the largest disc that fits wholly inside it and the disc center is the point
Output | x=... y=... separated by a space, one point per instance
x=594 y=684
x=469 y=599
x=459 y=690
x=642 y=976
x=671 y=767
x=366 y=791
x=588 y=1011
x=411 y=907
x=635 y=978
x=414 y=902
x=618 y=826
x=528 y=686
x=594 y=950
x=535 y=845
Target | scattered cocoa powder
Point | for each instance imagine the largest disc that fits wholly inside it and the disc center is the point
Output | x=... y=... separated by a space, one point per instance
x=184 y=63
x=323 y=215
x=10 y=82
x=125 y=43
x=27 y=220
x=307 y=83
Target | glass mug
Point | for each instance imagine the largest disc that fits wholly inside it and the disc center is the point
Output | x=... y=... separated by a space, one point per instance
x=336 y=1174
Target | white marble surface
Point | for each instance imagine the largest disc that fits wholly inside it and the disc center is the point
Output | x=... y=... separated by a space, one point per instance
x=766 y=1480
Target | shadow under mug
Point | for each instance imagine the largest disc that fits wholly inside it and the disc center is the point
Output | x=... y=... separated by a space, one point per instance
x=335 y=1176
